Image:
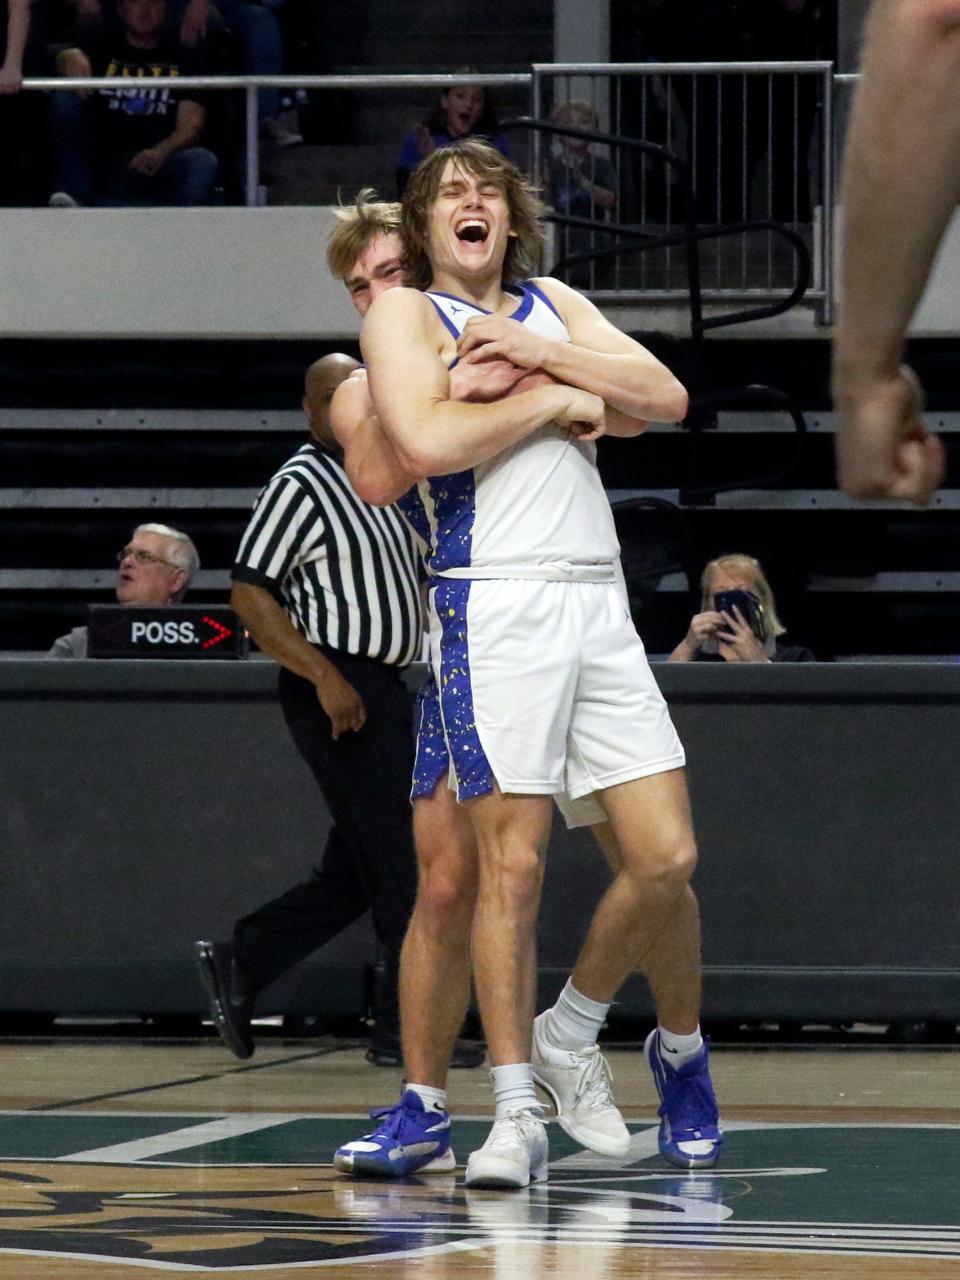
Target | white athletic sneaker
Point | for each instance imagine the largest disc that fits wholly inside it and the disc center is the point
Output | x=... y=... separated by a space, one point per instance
x=514 y=1154
x=579 y=1084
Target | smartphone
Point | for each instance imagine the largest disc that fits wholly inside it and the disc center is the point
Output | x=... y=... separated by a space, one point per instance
x=751 y=610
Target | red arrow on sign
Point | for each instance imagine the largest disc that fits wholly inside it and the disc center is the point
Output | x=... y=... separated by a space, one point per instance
x=219 y=628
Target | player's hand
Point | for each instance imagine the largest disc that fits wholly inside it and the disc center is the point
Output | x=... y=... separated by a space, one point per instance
x=583 y=416
x=884 y=449
x=342 y=704
x=148 y=162
x=737 y=641
x=497 y=335
x=481 y=380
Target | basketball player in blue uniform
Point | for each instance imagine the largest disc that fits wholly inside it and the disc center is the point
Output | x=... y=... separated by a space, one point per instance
x=543 y=683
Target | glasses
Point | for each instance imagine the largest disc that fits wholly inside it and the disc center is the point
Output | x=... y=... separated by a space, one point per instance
x=142 y=557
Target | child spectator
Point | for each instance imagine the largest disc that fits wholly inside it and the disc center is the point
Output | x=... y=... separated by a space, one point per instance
x=464 y=111
x=580 y=184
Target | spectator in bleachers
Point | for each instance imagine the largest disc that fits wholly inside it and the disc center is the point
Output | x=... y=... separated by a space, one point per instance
x=580 y=183
x=156 y=567
x=744 y=631
x=132 y=145
x=253 y=23
x=464 y=111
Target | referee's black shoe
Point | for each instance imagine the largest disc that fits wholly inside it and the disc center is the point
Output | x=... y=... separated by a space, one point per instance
x=229 y=994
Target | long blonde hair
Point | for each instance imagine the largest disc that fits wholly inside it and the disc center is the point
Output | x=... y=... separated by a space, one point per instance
x=743 y=566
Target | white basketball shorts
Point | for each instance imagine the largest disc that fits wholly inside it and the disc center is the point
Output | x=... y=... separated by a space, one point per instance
x=545 y=688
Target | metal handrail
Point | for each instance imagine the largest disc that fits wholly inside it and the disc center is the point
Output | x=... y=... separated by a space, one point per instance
x=688 y=218
x=754 y=393
x=688 y=239
x=691 y=234
x=825 y=69
x=250 y=85
x=647 y=240
x=668 y=68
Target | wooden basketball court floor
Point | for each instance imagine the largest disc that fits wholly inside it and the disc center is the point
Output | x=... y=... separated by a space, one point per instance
x=127 y=1160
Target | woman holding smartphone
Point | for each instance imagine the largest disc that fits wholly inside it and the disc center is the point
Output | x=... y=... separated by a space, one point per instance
x=738 y=619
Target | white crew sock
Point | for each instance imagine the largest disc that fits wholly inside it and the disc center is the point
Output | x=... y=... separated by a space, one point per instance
x=513 y=1089
x=680 y=1050
x=575 y=1020
x=432 y=1099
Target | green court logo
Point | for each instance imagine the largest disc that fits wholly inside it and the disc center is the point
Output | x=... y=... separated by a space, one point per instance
x=857 y=1190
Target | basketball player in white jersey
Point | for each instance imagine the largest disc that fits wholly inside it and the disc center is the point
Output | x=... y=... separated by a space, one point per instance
x=365 y=251
x=544 y=685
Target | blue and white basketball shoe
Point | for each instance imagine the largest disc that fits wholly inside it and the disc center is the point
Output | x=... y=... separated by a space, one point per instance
x=410 y=1139
x=690 y=1136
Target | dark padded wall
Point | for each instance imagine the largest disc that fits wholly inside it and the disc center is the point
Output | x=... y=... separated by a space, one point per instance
x=148 y=804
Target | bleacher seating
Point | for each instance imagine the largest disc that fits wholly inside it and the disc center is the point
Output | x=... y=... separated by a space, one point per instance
x=178 y=432
x=351 y=139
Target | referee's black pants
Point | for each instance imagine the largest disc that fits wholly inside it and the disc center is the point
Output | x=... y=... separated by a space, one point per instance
x=368 y=861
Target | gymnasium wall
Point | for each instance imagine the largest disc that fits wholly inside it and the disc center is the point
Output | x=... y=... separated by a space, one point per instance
x=148 y=804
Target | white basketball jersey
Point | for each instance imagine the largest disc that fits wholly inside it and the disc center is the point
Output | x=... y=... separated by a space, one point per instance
x=536 y=510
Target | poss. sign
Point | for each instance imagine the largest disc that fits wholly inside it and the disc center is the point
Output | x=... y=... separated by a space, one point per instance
x=170 y=631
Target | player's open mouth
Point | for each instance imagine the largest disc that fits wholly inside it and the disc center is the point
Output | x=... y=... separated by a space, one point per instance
x=473 y=230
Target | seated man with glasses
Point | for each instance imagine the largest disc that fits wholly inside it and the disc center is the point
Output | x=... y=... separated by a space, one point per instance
x=156 y=568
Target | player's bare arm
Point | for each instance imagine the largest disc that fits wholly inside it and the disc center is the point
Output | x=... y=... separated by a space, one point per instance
x=373 y=468
x=901 y=183
x=371 y=462
x=406 y=350
x=635 y=386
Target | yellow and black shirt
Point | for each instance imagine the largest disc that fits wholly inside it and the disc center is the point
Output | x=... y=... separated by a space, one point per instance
x=133 y=116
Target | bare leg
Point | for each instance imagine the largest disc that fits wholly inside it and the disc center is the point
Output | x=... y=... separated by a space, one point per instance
x=512 y=833
x=648 y=915
x=651 y=913
x=671 y=960
x=435 y=961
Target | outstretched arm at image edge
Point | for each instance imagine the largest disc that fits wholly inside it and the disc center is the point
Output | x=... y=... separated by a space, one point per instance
x=901 y=175
x=900 y=186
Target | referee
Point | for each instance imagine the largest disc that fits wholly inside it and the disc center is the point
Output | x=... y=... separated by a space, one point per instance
x=327 y=587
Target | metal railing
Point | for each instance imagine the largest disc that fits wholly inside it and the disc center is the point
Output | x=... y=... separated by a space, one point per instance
x=757 y=139
x=250 y=85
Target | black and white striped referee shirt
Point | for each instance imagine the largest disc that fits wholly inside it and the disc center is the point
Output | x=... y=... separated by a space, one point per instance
x=345 y=572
